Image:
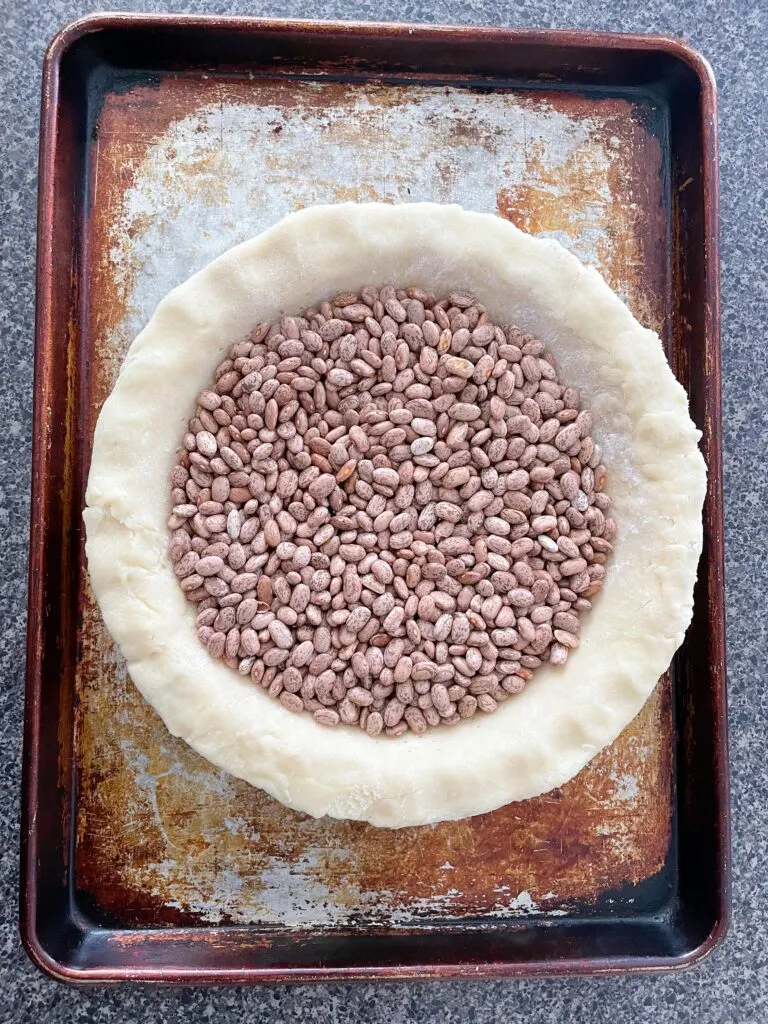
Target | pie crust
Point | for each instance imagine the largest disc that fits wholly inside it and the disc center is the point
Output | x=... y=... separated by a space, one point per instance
x=656 y=477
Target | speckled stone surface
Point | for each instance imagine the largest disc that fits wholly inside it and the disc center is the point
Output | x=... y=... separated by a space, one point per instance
x=732 y=985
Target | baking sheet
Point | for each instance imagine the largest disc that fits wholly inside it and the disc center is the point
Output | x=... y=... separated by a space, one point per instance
x=181 y=168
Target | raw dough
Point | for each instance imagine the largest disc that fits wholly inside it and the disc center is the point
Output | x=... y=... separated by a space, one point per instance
x=535 y=741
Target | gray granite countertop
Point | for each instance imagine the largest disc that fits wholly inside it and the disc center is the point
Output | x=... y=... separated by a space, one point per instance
x=733 y=983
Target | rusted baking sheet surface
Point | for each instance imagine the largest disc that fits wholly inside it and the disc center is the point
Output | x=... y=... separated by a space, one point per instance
x=184 y=168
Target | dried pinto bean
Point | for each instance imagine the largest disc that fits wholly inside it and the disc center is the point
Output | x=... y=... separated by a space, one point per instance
x=389 y=511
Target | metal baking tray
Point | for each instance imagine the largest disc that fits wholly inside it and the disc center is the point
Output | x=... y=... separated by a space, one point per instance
x=166 y=139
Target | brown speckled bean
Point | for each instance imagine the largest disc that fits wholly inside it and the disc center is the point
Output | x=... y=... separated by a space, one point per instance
x=389 y=500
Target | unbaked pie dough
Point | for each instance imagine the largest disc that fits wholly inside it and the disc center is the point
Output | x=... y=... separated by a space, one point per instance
x=546 y=734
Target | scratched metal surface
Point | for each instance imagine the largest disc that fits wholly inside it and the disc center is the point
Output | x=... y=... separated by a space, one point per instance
x=182 y=169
